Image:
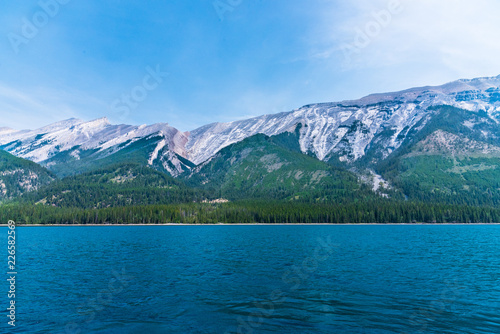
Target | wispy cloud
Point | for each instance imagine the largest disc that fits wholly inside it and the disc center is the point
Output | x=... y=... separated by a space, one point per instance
x=460 y=36
x=266 y=57
x=41 y=106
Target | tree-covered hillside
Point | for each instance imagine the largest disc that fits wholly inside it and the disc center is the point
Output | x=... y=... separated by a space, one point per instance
x=447 y=171
x=115 y=185
x=274 y=168
x=454 y=159
x=19 y=176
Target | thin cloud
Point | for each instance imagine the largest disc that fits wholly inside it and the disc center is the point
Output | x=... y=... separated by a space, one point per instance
x=459 y=35
x=227 y=74
x=36 y=108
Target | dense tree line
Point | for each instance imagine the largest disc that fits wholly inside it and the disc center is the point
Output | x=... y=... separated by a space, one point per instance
x=381 y=212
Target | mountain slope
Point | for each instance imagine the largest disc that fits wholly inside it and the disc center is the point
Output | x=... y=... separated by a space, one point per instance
x=73 y=146
x=116 y=185
x=463 y=179
x=455 y=158
x=18 y=176
x=364 y=133
x=349 y=130
x=434 y=151
x=274 y=168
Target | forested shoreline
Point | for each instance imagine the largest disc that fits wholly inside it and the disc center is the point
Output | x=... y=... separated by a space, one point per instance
x=256 y=212
x=134 y=194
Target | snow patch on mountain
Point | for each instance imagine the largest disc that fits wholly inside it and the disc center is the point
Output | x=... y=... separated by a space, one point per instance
x=75 y=136
x=171 y=163
x=41 y=144
x=348 y=128
x=345 y=130
x=324 y=127
x=161 y=144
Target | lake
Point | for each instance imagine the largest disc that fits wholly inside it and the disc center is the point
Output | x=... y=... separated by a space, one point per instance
x=256 y=279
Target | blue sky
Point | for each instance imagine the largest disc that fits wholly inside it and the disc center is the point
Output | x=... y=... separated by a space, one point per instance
x=225 y=60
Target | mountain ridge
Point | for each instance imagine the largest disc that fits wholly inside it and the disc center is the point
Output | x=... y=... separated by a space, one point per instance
x=343 y=132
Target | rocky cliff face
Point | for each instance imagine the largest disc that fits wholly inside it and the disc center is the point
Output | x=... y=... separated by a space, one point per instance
x=370 y=128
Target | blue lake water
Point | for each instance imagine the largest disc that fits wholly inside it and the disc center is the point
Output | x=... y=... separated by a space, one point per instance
x=256 y=279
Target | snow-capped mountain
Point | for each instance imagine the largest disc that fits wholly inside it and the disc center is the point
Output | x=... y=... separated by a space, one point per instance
x=76 y=138
x=346 y=131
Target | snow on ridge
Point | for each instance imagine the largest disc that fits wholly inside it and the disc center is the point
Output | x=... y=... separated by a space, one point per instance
x=323 y=128
x=157 y=149
x=205 y=141
x=11 y=136
x=326 y=124
x=5 y=130
x=43 y=143
x=443 y=92
x=346 y=129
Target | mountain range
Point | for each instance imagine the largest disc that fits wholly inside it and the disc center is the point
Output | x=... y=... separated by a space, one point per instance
x=434 y=143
